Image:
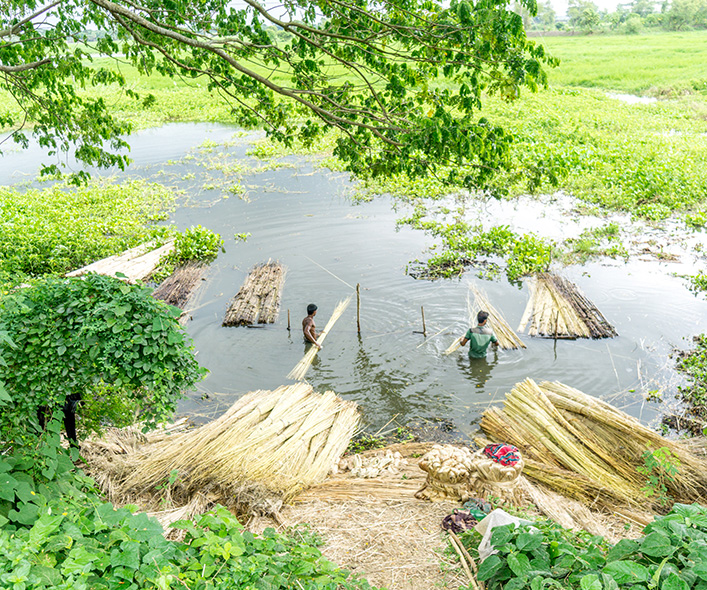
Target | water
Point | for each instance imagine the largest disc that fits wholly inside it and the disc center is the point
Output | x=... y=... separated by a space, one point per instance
x=302 y=215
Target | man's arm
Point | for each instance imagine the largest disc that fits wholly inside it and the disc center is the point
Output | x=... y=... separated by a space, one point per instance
x=464 y=340
x=311 y=335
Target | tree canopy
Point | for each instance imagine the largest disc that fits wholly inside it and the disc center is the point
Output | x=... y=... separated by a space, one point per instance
x=401 y=80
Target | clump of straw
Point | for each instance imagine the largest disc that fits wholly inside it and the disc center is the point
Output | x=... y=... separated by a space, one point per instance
x=265 y=449
x=507 y=338
x=301 y=368
x=585 y=449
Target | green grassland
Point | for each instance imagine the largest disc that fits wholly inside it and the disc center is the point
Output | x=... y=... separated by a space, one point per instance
x=653 y=64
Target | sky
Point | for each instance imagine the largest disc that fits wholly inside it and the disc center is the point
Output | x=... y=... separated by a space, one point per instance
x=560 y=6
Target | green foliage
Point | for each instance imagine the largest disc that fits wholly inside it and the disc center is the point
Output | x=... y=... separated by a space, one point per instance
x=659 y=466
x=599 y=241
x=193 y=244
x=95 y=336
x=693 y=364
x=462 y=245
x=55 y=230
x=365 y=441
x=59 y=534
x=698 y=282
x=672 y=555
x=374 y=75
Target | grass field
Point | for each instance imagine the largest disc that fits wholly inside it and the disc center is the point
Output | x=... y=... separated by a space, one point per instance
x=639 y=64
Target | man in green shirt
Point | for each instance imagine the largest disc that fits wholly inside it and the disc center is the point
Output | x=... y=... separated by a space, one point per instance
x=480 y=337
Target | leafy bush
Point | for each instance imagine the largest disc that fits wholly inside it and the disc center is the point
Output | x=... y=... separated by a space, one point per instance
x=693 y=365
x=95 y=337
x=194 y=243
x=671 y=556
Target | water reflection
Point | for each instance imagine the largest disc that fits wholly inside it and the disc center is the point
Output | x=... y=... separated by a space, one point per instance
x=478 y=370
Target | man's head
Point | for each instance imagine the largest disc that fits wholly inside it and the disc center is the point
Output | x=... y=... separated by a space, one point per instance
x=311 y=308
x=482 y=317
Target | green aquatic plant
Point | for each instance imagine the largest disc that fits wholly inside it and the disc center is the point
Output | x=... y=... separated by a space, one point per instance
x=58 y=229
x=195 y=243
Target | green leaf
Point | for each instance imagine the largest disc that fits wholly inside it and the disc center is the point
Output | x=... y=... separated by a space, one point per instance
x=489 y=567
x=519 y=564
x=590 y=582
x=673 y=582
x=528 y=541
x=623 y=548
x=627 y=572
x=656 y=544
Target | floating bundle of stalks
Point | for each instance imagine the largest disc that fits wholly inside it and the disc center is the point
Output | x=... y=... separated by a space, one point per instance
x=586 y=449
x=178 y=288
x=258 y=300
x=136 y=264
x=557 y=309
x=301 y=367
x=268 y=447
x=507 y=338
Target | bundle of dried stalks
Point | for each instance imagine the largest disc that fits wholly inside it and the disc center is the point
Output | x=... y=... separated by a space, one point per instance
x=301 y=368
x=586 y=449
x=507 y=338
x=268 y=447
x=557 y=309
x=178 y=288
x=258 y=300
x=136 y=264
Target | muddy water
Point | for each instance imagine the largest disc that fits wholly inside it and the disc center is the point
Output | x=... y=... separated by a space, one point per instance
x=303 y=216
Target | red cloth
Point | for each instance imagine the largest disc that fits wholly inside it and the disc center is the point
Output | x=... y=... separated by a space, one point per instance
x=502 y=453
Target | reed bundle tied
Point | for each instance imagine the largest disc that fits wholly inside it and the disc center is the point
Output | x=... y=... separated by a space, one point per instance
x=178 y=288
x=274 y=442
x=586 y=449
x=258 y=300
x=136 y=264
x=301 y=368
x=558 y=309
x=507 y=338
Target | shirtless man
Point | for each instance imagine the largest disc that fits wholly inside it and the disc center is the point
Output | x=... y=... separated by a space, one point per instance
x=308 y=327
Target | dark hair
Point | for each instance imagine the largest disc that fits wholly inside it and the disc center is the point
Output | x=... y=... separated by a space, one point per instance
x=482 y=316
x=311 y=308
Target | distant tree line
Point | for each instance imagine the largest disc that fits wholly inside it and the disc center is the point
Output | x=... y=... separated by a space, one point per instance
x=631 y=18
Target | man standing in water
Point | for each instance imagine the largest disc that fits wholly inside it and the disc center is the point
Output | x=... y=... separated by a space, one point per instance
x=308 y=327
x=480 y=337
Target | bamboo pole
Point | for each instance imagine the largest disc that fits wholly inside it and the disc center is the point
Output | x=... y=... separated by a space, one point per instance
x=424 y=327
x=358 y=307
x=288 y=320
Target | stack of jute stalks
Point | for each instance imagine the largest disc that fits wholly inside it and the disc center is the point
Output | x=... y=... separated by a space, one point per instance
x=557 y=309
x=301 y=368
x=507 y=338
x=258 y=300
x=269 y=442
x=136 y=264
x=178 y=288
x=586 y=449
